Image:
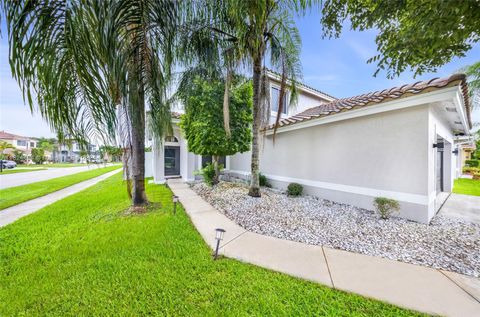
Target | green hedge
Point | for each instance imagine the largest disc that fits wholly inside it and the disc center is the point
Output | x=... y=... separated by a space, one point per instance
x=472 y=163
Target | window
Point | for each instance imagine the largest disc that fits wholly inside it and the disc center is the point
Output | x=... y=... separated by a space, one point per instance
x=222 y=160
x=32 y=144
x=171 y=138
x=275 y=99
x=21 y=143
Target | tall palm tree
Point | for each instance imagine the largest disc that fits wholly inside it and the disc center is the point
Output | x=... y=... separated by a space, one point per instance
x=84 y=59
x=254 y=29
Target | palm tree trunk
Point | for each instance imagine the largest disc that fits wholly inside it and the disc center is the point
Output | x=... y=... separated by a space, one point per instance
x=137 y=117
x=254 y=190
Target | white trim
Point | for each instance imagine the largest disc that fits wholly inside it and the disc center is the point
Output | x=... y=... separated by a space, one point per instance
x=411 y=101
x=460 y=106
x=366 y=191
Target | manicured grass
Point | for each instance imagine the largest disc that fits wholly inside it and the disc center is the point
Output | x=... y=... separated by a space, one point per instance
x=82 y=256
x=19 y=194
x=467 y=186
x=21 y=170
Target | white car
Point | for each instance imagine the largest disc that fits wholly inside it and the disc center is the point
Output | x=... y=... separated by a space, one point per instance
x=8 y=164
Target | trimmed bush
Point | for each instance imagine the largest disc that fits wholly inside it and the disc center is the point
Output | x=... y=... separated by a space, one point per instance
x=208 y=174
x=294 y=189
x=472 y=163
x=264 y=180
x=385 y=207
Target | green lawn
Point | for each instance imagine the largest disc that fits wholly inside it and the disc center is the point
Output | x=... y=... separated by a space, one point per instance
x=21 y=170
x=467 y=186
x=83 y=257
x=19 y=194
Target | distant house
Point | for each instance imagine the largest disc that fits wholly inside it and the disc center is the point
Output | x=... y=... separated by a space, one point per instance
x=401 y=143
x=19 y=142
x=71 y=152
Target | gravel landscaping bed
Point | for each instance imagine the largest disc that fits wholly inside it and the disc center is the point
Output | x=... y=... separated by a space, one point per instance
x=446 y=243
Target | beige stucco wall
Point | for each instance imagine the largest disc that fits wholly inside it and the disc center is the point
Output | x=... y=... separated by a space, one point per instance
x=355 y=160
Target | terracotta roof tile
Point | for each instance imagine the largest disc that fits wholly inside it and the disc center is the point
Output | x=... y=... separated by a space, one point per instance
x=377 y=97
x=10 y=136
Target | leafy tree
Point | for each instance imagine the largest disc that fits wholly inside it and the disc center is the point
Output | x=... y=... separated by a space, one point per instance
x=249 y=31
x=421 y=35
x=38 y=155
x=202 y=122
x=19 y=157
x=47 y=144
x=114 y=153
x=473 y=77
x=85 y=59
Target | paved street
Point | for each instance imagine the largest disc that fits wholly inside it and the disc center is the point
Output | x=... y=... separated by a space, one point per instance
x=17 y=179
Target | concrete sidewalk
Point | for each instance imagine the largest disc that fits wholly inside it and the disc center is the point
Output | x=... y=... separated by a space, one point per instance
x=13 y=213
x=406 y=285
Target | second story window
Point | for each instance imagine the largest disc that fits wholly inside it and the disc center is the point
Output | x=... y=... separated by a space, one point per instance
x=275 y=97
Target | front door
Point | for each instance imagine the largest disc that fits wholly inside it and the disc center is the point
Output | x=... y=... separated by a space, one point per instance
x=172 y=160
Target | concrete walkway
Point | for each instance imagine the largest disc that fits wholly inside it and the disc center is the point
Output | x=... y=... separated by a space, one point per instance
x=464 y=207
x=18 y=179
x=13 y=213
x=406 y=285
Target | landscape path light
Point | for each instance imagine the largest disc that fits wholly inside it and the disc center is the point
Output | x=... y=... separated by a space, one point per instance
x=219 y=232
x=175 y=201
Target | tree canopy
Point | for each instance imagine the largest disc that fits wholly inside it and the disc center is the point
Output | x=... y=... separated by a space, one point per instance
x=202 y=122
x=416 y=35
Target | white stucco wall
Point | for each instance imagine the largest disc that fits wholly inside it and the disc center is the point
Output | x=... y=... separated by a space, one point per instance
x=353 y=161
x=148 y=164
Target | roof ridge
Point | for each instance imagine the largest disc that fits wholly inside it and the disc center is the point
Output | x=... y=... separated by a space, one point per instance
x=379 y=96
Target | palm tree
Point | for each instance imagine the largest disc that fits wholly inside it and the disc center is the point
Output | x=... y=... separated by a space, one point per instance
x=84 y=59
x=252 y=30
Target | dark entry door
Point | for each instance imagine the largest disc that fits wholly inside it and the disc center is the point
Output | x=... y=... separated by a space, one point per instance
x=439 y=172
x=172 y=160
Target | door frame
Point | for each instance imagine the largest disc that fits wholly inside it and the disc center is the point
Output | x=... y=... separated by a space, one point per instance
x=177 y=161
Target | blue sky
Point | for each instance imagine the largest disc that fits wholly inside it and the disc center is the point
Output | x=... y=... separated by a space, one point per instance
x=337 y=67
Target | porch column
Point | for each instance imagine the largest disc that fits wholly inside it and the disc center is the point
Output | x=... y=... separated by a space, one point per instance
x=187 y=162
x=158 y=162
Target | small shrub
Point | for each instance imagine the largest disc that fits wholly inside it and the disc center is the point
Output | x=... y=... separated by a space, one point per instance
x=472 y=163
x=470 y=170
x=208 y=174
x=386 y=206
x=294 y=189
x=264 y=180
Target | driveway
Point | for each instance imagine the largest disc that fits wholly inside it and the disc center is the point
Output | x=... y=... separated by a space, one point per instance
x=462 y=206
x=17 y=179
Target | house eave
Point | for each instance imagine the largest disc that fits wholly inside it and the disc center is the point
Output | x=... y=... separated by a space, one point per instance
x=410 y=101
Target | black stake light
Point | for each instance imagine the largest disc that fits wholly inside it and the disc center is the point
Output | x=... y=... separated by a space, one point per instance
x=219 y=232
x=175 y=201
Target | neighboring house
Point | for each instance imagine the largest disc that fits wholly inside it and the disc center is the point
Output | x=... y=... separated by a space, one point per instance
x=466 y=150
x=398 y=143
x=72 y=153
x=22 y=143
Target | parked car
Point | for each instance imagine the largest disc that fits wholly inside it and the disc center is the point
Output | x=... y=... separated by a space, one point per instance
x=8 y=164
